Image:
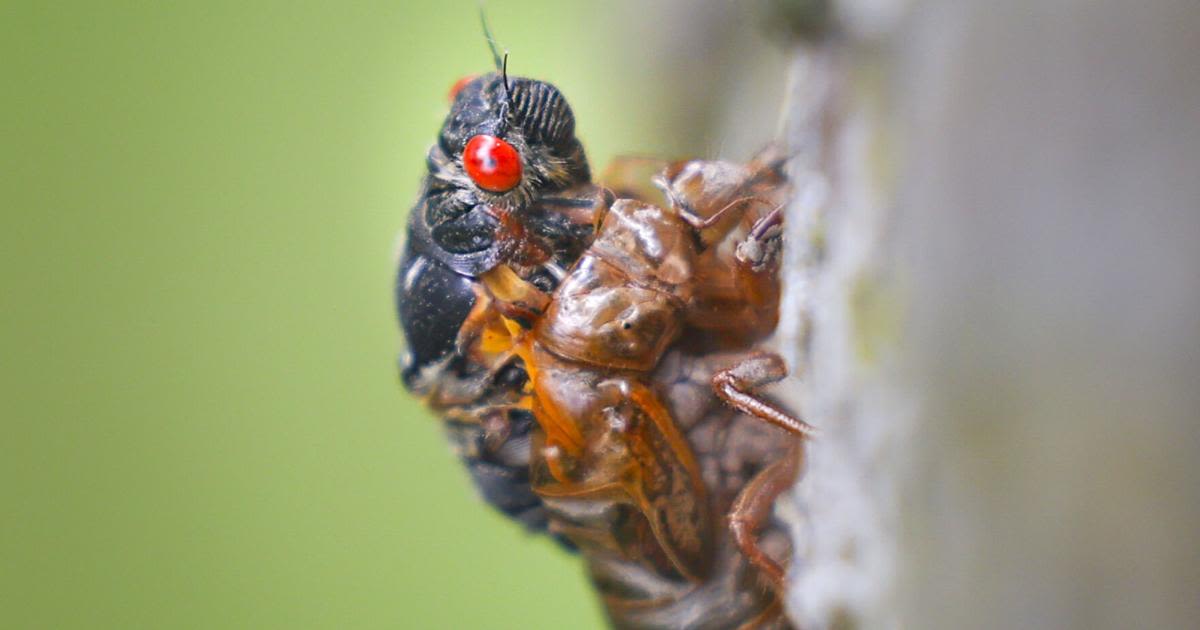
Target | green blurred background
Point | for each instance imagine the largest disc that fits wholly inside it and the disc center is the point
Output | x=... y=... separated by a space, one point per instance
x=202 y=425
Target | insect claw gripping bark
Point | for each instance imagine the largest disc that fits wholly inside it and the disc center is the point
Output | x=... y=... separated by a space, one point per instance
x=761 y=247
x=578 y=347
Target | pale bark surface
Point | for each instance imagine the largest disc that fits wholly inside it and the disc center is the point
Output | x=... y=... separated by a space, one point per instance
x=995 y=269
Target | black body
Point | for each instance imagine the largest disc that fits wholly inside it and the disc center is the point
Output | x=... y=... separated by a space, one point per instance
x=454 y=235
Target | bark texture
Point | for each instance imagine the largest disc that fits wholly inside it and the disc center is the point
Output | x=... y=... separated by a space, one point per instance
x=994 y=277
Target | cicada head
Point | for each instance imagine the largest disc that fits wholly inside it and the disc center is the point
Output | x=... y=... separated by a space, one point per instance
x=508 y=140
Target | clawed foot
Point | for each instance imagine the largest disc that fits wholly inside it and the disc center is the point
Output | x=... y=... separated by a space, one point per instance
x=762 y=247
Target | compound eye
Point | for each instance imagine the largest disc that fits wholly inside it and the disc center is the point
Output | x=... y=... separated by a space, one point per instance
x=459 y=85
x=492 y=163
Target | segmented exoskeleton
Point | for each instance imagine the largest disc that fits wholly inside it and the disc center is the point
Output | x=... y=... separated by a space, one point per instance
x=664 y=490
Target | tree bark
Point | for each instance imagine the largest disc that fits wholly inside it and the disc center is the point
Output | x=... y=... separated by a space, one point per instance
x=994 y=304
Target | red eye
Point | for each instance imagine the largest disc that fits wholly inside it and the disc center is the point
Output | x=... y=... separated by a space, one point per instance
x=459 y=85
x=492 y=163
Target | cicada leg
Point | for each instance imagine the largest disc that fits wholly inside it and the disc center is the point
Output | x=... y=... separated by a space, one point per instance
x=735 y=386
x=752 y=509
x=753 y=505
x=516 y=299
x=700 y=222
x=760 y=249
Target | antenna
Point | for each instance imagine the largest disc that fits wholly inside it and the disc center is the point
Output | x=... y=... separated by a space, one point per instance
x=501 y=62
x=487 y=33
x=504 y=74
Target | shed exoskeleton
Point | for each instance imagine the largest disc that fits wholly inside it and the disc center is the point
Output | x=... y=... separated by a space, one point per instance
x=650 y=450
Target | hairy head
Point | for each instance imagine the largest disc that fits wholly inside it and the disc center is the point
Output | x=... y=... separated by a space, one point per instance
x=507 y=139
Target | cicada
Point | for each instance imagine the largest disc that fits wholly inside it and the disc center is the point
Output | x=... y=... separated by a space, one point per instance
x=593 y=350
x=507 y=183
